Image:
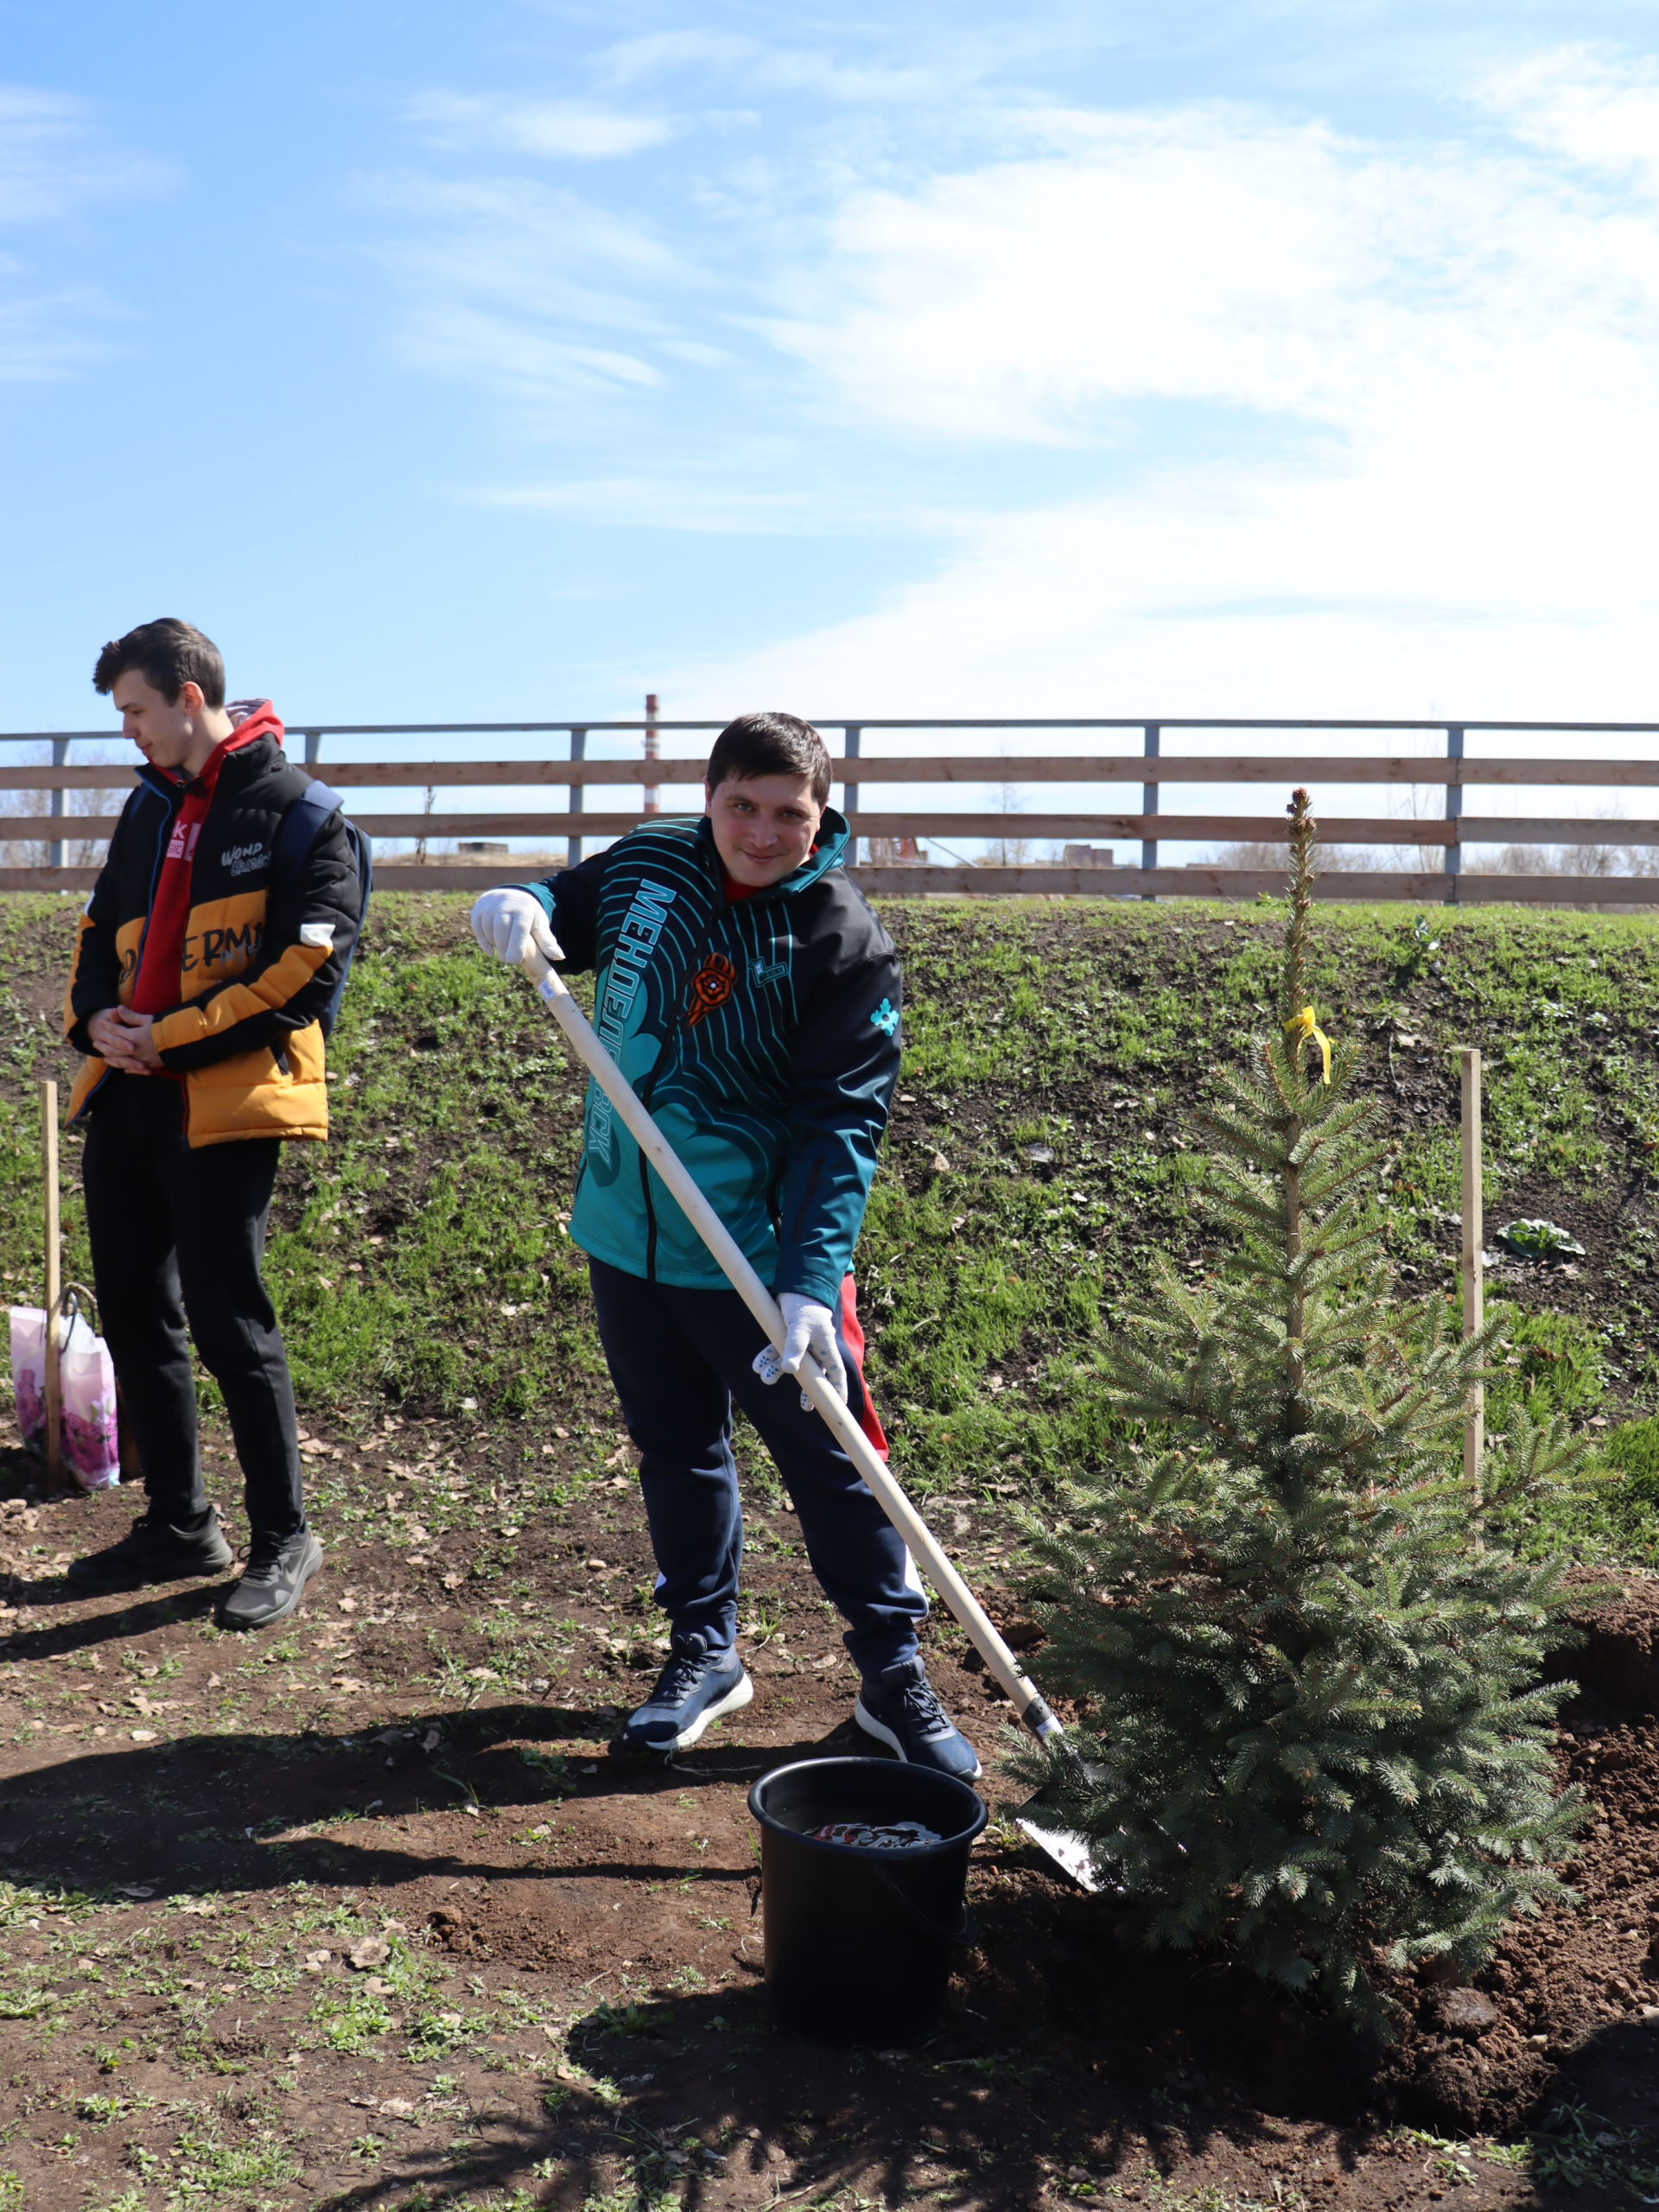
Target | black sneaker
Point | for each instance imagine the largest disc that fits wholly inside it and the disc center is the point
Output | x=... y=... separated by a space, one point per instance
x=903 y=1712
x=153 y=1551
x=273 y=1581
x=697 y=1685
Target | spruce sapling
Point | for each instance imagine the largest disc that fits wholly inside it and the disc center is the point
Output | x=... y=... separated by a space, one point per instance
x=1311 y=1729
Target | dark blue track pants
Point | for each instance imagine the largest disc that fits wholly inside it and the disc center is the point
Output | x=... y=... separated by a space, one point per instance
x=678 y=1358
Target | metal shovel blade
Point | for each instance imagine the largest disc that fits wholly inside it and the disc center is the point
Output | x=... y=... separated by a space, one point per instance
x=1068 y=1851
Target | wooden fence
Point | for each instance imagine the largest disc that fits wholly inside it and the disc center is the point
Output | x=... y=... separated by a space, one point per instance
x=1449 y=834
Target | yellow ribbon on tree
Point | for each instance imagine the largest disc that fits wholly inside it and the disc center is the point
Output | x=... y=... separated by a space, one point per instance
x=1300 y=1027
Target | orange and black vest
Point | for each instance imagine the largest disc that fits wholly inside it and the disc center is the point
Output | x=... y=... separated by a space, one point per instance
x=260 y=955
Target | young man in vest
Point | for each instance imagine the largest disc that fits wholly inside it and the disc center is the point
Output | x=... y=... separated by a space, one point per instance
x=198 y=973
x=752 y=998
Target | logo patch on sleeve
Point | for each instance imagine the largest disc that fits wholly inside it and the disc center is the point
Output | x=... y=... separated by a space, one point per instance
x=318 y=933
x=885 y=1018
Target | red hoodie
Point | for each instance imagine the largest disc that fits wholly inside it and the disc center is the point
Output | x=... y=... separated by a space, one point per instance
x=155 y=987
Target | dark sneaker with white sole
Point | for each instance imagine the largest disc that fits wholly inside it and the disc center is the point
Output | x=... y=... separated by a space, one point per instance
x=153 y=1551
x=902 y=1710
x=273 y=1581
x=699 y=1684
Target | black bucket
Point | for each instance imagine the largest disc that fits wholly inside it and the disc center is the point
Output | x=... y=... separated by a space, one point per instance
x=859 y=1942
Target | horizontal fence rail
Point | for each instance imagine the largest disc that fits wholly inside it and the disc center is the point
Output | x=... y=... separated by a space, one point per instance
x=1476 y=828
x=931 y=768
x=1440 y=840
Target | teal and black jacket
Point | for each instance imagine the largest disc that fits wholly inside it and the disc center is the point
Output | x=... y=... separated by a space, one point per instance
x=762 y=1034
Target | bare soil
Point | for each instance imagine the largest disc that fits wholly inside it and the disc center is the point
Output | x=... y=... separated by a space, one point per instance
x=583 y=1929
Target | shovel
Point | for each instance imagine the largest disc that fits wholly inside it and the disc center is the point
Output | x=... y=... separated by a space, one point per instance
x=1070 y=1853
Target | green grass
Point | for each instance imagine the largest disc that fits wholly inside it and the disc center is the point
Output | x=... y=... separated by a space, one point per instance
x=421 y=1265
x=208 y=2168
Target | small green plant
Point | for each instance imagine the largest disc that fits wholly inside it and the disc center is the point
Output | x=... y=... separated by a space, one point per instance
x=1578 y=2149
x=1420 y=947
x=551 y=1769
x=435 y=2034
x=762 y=1619
x=1444 y=2160
x=350 y=2016
x=208 y=2166
x=1540 y=1239
x=608 y=2019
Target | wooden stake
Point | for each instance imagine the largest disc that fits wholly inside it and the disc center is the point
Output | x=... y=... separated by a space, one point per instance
x=1474 y=1236
x=54 y=1376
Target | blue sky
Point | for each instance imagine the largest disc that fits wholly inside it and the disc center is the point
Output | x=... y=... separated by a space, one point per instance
x=509 y=361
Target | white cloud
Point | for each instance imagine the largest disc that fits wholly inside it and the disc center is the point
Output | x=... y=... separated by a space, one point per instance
x=1356 y=426
x=502 y=351
x=526 y=289
x=663 y=53
x=698 y=354
x=765 y=68
x=648 y=501
x=703 y=505
x=43 y=336
x=1210 y=257
x=1598 y=109
x=1423 y=376
x=55 y=159
x=1353 y=597
x=554 y=129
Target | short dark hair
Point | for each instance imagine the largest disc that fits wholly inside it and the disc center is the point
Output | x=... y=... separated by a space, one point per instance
x=168 y=654
x=771 y=745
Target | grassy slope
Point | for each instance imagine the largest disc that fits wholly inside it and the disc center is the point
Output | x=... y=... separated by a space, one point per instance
x=420 y=1256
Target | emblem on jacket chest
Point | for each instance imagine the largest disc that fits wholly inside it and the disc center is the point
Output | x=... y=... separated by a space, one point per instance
x=710 y=988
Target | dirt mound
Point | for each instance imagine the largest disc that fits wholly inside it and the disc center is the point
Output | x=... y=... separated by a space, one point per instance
x=1617 y=1665
x=1571 y=1997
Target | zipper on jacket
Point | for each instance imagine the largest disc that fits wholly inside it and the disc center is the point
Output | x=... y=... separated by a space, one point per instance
x=645 y=1182
x=171 y=816
x=149 y=910
x=647 y=1091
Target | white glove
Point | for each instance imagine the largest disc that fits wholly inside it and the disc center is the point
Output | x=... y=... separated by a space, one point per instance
x=506 y=922
x=809 y=1327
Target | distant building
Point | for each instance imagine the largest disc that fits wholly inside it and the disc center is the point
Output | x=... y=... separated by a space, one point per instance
x=1088 y=856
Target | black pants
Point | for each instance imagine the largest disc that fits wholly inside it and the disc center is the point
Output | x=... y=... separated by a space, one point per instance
x=678 y=1358
x=178 y=1236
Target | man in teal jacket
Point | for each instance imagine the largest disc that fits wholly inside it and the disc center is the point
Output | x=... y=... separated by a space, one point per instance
x=752 y=998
